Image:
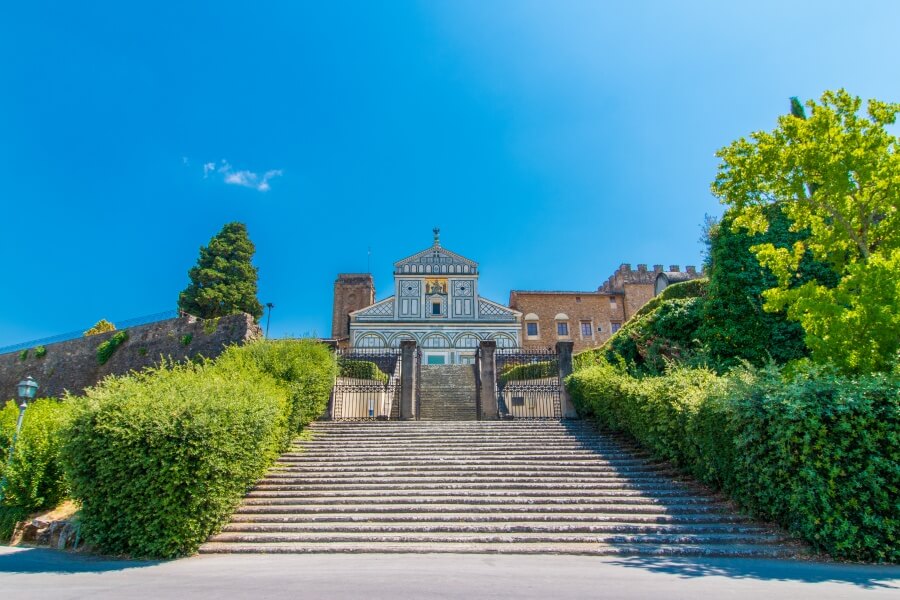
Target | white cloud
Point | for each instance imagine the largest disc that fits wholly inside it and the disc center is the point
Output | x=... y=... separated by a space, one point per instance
x=243 y=178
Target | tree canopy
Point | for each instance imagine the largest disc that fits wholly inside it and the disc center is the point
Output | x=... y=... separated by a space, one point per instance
x=224 y=280
x=836 y=175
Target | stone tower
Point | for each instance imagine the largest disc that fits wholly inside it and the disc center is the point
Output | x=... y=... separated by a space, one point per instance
x=352 y=291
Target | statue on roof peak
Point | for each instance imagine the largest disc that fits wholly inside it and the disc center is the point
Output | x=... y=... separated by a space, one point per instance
x=437 y=236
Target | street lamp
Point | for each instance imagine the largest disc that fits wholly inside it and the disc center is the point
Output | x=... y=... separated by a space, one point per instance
x=270 y=306
x=27 y=389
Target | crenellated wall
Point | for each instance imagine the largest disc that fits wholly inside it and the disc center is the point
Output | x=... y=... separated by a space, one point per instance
x=73 y=365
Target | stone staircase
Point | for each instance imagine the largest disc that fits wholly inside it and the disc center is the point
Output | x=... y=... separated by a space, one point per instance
x=447 y=393
x=483 y=487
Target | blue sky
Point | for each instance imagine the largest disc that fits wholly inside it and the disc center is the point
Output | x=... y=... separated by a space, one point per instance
x=550 y=140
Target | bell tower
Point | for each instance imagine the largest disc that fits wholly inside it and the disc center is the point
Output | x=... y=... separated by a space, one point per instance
x=352 y=291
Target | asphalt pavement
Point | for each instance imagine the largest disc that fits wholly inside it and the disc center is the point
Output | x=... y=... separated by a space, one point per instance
x=43 y=574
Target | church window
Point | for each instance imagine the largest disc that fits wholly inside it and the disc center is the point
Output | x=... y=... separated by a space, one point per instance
x=435 y=308
x=531 y=329
x=614 y=327
x=562 y=329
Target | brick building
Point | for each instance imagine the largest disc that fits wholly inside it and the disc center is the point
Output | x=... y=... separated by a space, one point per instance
x=589 y=318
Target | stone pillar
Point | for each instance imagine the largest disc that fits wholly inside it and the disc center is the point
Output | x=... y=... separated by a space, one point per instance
x=488 y=376
x=407 y=380
x=564 y=351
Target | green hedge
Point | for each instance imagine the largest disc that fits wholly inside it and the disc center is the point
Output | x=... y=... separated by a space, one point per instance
x=818 y=453
x=34 y=478
x=306 y=367
x=538 y=370
x=160 y=459
x=361 y=369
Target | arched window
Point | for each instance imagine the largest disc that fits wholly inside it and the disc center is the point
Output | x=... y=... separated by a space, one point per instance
x=370 y=340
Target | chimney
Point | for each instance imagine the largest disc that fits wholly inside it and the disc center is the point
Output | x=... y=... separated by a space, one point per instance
x=674 y=268
x=691 y=269
x=642 y=268
x=657 y=268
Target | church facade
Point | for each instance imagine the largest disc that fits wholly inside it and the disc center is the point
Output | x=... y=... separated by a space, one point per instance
x=434 y=301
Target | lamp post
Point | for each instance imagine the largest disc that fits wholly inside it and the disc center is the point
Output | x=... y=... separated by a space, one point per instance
x=27 y=390
x=270 y=306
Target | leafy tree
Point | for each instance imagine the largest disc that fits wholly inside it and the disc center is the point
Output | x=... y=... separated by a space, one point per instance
x=836 y=174
x=734 y=326
x=101 y=326
x=224 y=280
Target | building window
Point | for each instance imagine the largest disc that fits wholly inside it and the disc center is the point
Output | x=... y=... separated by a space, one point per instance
x=531 y=329
x=577 y=299
x=435 y=308
x=614 y=327
x=562 y=329
x=587 y=329
x=612 y=302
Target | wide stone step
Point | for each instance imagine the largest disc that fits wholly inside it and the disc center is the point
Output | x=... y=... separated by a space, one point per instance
x=386 y=492
x=487 y=487
x=499 y=527
x=472 y=507
x=290 y=476
x=378 y=487
x=583 y=548
x=499 y=538
x=456 y=518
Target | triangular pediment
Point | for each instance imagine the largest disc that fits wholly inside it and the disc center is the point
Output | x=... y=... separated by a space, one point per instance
x=436 y=259
x=384 y=308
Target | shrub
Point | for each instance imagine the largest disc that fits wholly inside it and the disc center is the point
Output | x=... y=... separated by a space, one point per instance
x=34 y=478
x=538 y=370
x=360 y=369
x=186 y=339
x=307 y=367
x=814 y=451
x=210 y=325
x=106 y=349
x=159 y=459
x=40 y=352
x=23 y=355
x=101 y=326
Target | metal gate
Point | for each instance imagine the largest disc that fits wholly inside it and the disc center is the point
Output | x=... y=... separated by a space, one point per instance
x=528 y=385
x=368 y=385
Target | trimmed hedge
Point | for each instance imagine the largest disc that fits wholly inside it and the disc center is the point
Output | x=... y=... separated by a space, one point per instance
x=538 y=370
x=818 y=453
x=34 y=478
x=306 y=367
x=160 y=459
x=361 y=369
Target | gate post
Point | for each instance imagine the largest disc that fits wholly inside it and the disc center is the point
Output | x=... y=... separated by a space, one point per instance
x=488 y=373
x=407 y=379
x=564 y=351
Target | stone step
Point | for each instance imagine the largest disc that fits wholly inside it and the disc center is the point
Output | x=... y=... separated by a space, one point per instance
x=424 y=488
x=471 y=507
x=499 y=538
x=657 y=495
x=455 y=518
x=583 y=548
x=486 y=487
x=291 y=476
x=499 y=527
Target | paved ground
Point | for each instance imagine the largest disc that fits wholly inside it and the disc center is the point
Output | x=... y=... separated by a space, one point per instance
x=33 y=573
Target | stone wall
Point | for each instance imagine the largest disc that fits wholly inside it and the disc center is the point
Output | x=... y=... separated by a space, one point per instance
x=73 y=365
x=588 y=307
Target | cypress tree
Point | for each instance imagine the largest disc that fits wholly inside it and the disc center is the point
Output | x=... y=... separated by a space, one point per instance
x=224 y=280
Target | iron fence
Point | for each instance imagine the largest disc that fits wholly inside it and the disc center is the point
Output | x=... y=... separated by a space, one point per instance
x=528 y=384
x=361 y=399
